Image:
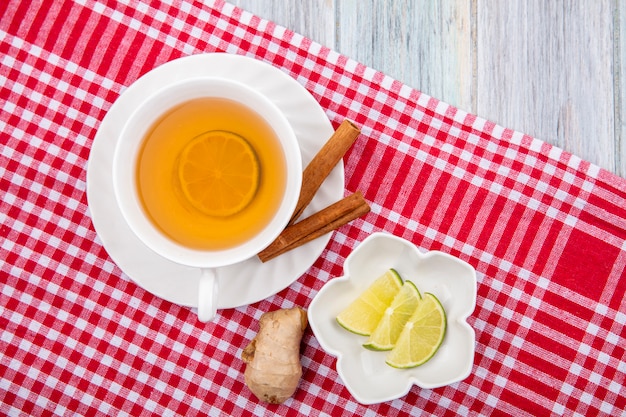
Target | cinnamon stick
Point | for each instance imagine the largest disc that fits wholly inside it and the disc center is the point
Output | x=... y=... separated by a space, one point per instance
x=316 y=225
x=323 y=162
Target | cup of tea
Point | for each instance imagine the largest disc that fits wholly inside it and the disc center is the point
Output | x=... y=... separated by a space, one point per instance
x=207 y=173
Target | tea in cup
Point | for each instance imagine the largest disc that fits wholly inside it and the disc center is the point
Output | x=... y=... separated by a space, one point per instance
x=207 y=173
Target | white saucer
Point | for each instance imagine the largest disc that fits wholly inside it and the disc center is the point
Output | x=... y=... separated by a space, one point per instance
x=243 y=283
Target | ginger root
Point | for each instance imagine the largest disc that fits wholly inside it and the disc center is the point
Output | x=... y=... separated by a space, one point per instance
x=272 y=358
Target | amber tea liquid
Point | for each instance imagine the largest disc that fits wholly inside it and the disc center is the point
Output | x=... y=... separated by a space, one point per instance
x=159 y=186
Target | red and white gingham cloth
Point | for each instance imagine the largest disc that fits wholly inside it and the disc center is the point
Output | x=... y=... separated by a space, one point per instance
x=545 y=230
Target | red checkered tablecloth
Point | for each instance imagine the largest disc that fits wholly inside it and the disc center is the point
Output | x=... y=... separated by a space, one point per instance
x=545 y=230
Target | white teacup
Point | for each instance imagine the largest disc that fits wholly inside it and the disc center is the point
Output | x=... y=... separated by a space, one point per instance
x=127 y=193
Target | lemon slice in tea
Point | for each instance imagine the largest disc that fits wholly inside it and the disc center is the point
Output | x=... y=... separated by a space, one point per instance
x=364 y=313
x=218 y=173
x=421 y=336
x=393 y=320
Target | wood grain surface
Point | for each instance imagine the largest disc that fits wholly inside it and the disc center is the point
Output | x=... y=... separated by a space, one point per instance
x=551 y=69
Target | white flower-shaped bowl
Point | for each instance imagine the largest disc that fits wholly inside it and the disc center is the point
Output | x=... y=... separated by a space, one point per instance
x=364 y=372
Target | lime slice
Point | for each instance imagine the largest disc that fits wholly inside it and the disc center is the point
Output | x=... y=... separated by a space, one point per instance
x=395 y=317
x=421 y=336
x=364 y=313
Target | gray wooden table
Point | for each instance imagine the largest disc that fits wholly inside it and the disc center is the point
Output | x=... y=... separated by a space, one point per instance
x=552 y=69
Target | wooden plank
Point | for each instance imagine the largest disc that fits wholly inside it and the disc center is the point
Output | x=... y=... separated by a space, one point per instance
x=313 y=19
x=546 y=68
x=425 y=44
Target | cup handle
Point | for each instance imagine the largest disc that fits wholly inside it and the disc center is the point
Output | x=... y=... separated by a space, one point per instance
x=207 y=295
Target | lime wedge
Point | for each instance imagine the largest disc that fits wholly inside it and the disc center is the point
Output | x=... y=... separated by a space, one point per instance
x=421 y=336
x=364 y=313
x=395 y=317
